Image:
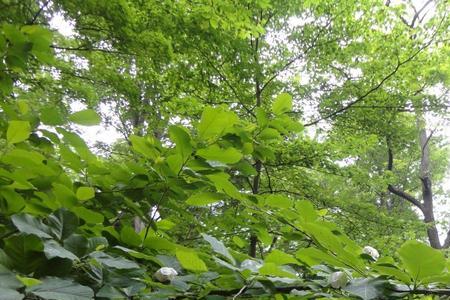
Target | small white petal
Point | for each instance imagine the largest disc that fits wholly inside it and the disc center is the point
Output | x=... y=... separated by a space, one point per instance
x=371 y=252
x=165 y=274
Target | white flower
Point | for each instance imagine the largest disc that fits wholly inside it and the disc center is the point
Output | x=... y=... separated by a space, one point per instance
x=372 y=252
x=338 y=280
x=251 y=265
x=165 y=274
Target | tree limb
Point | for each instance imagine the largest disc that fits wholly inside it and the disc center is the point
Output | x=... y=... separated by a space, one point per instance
x=396 y=191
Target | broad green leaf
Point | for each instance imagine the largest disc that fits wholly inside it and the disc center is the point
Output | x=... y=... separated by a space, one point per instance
x=25 y=252
x=139 y=255
x=77 y=244
x=215 y=122
x=87 y=117
x=62 y=223
x=219 y=247
x=14 y=200
x=204 y=198
x=282 y=104
x=306 y=211
x=18 y=131
x=272 y=269
x=51 y=116
x=269 y=134
x=114 y=262
x=85 y=193
x=88 y=215
x=159 y=243
x=143 y=146
x=130 y=237
x=420 y=260
x=64 y=195
x=239 y=242
x=215 y=153
x=53 y=249
x=391 y=270
x=8 y=279
x=280 y=258
x=313 y=256
x=10 y=294
x=278 y=201
x=31 y=225
x=368 y=288
x=182 y=140
x=222 y=184
x=61 y=289
x=190 y=261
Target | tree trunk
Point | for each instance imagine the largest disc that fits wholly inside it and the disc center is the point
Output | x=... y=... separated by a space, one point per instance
x=425 y=178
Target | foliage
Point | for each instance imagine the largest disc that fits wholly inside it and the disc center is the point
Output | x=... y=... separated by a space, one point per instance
x=198 y=185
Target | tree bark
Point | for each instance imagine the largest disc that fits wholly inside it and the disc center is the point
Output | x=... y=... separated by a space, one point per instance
x=425 y=178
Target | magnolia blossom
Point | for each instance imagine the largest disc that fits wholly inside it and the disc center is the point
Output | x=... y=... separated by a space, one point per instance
x=251 y=265
x=338 y=280
x=165 y=274
x=372 y=252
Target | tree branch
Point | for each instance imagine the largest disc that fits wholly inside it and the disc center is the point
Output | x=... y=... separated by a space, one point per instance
x=397 y=191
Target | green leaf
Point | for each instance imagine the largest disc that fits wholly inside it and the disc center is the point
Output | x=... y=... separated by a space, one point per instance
x=10 y=294
x=61 y=289
x=182 y=139
x=143 y=146
x=280 y=258
x=85 y=193
x=367 y=288
x=215 y=153
x=272 y=269
x=8 y=279
x=18 y=131
x=14 y=200
x=50 y=115
x=190 y=261
x=278 y=201
x=87 y=117
x=420 y=260
x=28 y=224
x=219 y=247
x=204 y=198
x=222 y=184
x=215 y=122
x=391 y=270
x=313 y=256
x=77 y=244
x=306 y=211
x=62 y=223
x=130 y=237
x=114 y=262
x=282 y=104
x=53 y=249
x=269 y=134
x=88 y=215
x=25 y=252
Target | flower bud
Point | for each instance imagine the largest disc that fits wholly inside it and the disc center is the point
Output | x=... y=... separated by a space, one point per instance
x=165 y=274
x=338 y=280
x=372 y=252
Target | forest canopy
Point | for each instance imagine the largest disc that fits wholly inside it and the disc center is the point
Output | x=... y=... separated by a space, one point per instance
x=257 y=149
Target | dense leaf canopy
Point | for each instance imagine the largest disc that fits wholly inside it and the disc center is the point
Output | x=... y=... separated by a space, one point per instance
x=266 y=149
